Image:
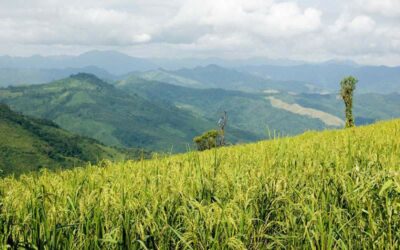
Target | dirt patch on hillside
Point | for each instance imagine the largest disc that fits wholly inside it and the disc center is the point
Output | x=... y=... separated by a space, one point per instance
x=326 y=118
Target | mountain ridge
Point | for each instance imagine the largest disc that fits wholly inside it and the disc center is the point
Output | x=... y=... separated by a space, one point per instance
x=86 y=105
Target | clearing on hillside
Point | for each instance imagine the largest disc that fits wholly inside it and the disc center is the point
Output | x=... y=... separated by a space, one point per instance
x=328 y=119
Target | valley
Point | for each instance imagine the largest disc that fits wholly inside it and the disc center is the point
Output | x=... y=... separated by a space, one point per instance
x=163 y=110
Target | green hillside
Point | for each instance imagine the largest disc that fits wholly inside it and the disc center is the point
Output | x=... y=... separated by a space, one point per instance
x=29 y=144
x=321 y=190
x=255 y=113
x=91 y=107
x=368 y=108
x=247 y=111
x=164 y=117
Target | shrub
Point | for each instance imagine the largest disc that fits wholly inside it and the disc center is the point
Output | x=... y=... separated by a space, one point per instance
x=348 y=85
x=207 y=140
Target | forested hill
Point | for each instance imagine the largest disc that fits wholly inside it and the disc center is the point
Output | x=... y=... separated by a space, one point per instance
x=28 y=144
x=88 y=106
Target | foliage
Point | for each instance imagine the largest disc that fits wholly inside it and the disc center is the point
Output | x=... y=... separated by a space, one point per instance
x=29 y=144
x=163 y=117
x=320 y=190
x=88 y=106
x=207 y=140
x=250 y=114
x=348 y=85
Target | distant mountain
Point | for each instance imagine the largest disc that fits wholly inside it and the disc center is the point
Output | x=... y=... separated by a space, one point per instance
x=372 y=79
x=166 y=76
x=178 y=63
x=114 y=62
x=89 y=106
x=25 y=76
x=214 y=76
x=28 y=144
x=237 y=74
x=329 y=62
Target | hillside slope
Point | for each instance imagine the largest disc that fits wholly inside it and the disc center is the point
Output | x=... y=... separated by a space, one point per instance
x=91 y=107
x=258 y=112
x=29 y=144
x=247 y=111
x=320 y=190
x=368 y=108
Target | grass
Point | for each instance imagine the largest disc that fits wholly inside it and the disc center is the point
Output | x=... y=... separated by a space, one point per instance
x=320 y=190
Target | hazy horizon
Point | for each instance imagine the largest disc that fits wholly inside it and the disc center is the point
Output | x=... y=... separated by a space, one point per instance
x=213 y=59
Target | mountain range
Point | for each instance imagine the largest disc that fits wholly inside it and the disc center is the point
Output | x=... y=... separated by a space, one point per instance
x=142 y=113
x=114 y=62
x=372 y=79
x=257 y=72
x=86 y=105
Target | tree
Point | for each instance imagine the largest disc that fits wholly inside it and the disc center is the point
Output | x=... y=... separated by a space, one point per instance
x=348 y=85
x=207 y=140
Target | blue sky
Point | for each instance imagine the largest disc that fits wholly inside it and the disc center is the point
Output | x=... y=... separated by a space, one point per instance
x=366 y=31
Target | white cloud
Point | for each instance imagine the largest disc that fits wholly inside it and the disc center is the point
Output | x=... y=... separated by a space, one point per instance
x=383 y=7
x=259 y=18
x=70 y=25
x=364 y=30
x=362 y=24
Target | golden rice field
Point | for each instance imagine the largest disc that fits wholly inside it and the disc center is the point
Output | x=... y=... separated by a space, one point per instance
x=320 y=190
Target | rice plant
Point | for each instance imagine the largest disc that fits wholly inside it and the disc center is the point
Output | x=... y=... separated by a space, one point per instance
x=320 y=190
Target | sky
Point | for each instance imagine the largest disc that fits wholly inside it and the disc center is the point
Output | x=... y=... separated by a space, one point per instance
x=365 y=31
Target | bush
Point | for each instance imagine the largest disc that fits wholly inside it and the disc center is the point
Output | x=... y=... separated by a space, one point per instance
x=207 y=140
x=348 y=85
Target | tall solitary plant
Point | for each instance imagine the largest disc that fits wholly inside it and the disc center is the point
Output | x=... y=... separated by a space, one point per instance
x=348 y=85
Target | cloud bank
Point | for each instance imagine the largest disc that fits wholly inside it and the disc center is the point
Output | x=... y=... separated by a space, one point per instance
x=363 y=30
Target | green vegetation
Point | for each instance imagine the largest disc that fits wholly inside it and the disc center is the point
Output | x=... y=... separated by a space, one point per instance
x=368 y=108
x=29 y=144
x=164 y=117
x=207 y=140
x=347 y=87
x=91 y=107
x=320 y=190
x=248 y=112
